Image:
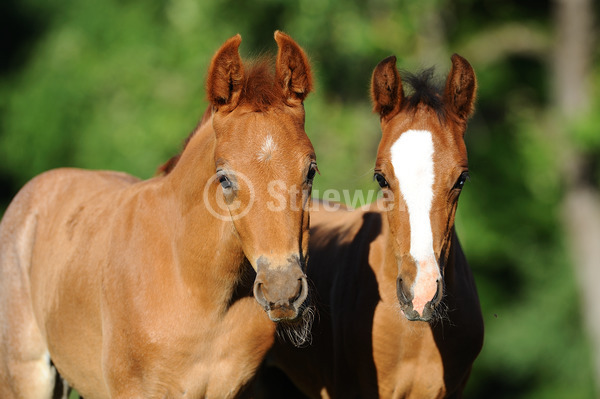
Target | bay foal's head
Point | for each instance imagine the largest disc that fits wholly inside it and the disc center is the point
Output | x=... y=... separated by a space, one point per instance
x=264 y=167
x=422 y=164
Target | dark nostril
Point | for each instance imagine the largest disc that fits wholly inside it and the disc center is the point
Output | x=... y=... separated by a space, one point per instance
x=259 y=295
x=298 y=291
x=401 y=293
x=301 y=293
x=438 y=293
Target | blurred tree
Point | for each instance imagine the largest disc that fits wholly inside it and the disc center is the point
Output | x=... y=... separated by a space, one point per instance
x=581 y=205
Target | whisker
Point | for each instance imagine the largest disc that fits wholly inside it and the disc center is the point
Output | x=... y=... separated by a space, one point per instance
x=298 y=333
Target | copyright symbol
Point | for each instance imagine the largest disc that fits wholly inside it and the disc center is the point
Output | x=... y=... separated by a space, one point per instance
x=228 y=209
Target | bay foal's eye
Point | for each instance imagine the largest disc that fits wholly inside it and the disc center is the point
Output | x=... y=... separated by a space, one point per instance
x=380 y=180
x=312 y=172
x=464 y=176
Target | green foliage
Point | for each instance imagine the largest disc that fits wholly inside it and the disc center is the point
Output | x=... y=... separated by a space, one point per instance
x=119 y=85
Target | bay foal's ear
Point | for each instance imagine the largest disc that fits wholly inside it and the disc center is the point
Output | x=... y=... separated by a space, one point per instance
x=292 y=69
x=226 y=75
x=461 y=86
x=386 y=87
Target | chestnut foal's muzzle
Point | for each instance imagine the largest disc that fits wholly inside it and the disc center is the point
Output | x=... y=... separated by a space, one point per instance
x=281 y=289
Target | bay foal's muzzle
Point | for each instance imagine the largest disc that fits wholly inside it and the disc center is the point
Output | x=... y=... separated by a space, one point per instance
x=406 y=298
x=281 y=290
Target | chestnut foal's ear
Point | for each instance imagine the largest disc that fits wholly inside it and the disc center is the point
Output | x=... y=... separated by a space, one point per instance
x=226 y=76
x=461 y=87
x=292 y=69
x=386 y=87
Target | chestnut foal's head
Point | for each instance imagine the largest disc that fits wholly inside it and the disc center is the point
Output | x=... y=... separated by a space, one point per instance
x=264 y=165
x=422 y=164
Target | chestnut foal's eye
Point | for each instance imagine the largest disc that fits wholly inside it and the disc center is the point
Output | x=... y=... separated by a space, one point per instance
x=312 y=172
x=225 y=182
x=380 y=180
x=464 y=176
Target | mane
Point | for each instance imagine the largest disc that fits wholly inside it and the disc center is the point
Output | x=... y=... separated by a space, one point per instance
x=259 y=91
x=425 y=89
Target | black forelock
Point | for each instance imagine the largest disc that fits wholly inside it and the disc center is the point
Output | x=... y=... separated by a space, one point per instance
x=425 y=89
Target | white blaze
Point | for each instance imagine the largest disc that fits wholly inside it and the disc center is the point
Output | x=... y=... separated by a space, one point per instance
x=412 y=159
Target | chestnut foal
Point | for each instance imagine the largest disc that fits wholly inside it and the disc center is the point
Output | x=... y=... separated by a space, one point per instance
x=133 y=289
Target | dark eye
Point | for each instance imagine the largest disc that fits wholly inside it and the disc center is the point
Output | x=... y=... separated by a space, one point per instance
x=312 y=172
x=225 y=182
x=380 y=180
x=464 y=176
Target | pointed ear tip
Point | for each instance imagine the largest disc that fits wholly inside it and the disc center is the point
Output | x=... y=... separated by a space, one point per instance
x=281 y=37
x=385 y=64
x=458 y=59
x=388 y=60
x=234 y=41
x=229 y=50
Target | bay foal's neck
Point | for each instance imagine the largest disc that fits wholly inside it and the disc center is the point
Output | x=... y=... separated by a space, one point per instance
x=208 y=251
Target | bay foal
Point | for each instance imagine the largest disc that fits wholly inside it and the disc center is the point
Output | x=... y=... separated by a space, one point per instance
x=399 y=315
x=134 y=289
